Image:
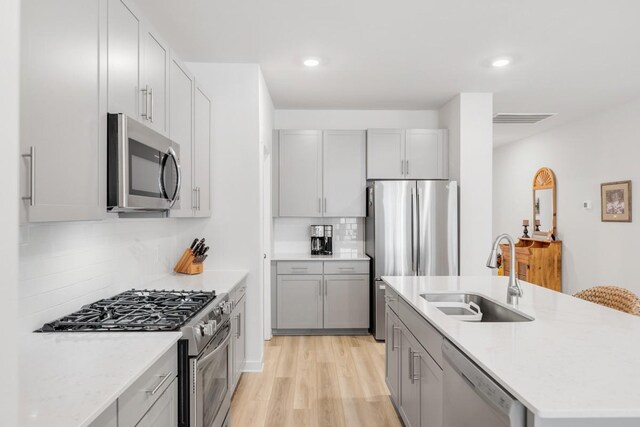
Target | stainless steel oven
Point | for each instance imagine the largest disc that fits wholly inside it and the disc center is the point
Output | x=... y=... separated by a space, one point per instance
x=211 y=380
x=143 y=167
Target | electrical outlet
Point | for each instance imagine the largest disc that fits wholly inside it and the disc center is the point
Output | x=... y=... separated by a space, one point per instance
x=586 y=204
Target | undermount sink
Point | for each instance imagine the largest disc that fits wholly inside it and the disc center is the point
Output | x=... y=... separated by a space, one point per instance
x=492 y=311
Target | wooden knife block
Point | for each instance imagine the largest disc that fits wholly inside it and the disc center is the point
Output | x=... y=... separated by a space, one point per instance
x=186 y=265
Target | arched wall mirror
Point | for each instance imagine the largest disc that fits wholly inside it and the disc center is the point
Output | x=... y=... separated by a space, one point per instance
x=544 y=204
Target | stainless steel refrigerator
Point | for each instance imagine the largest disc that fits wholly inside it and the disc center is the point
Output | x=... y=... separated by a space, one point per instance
x=411 y=230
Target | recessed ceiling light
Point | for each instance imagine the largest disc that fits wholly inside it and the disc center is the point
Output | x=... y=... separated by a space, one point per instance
x=500 y=62
x=311 y=62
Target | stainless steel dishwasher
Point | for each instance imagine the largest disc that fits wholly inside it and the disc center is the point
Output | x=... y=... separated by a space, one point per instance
x=472 y=398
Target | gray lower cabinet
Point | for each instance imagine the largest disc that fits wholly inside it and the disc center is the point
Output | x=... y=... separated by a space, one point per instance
x=346 y=301
x=413 y=376
x=299 y=301
x=238 y=343
x=392 y=354
x=163 y=413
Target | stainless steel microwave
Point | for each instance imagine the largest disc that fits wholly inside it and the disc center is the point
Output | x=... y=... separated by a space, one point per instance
x=143 y=167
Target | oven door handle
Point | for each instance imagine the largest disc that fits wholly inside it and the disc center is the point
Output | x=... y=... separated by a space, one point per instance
x=218 y=348
x=171 y=153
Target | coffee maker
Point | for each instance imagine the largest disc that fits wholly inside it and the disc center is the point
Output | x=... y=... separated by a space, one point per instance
x=317 y=239
x=321 y=240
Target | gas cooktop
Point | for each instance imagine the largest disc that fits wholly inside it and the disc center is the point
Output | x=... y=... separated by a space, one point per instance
x=134 y=310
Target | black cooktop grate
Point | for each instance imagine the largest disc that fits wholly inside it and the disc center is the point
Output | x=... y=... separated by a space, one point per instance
x=145 y=310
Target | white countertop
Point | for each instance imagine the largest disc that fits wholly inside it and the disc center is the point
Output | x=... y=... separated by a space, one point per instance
x=575 y=360
x=309 y=257
x=221 y=281
x=69 y=379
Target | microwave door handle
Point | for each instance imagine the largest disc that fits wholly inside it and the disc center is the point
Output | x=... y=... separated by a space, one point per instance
x=173 y=155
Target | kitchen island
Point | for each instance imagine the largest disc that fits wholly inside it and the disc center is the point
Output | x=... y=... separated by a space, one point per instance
x=575 y=364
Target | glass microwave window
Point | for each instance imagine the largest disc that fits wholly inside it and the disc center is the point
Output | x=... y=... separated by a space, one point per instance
x=145 y=165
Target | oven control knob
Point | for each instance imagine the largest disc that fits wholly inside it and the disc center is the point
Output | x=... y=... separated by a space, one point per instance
x=209 y=328
x=199 y=329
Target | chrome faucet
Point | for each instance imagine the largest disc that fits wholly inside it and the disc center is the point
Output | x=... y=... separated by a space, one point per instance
x=514 y=291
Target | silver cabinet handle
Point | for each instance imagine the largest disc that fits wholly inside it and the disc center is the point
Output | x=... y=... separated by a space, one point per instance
x=299 y=268
x=410 y=365
x=193 y=198
x=407 y=167
x=237 y=334
x=414 y=376
x=151 y=105
x=393 y=337
x=239 y=324
x=32 y=176
x=145 y=91
x=198 y=198
x=164 y=380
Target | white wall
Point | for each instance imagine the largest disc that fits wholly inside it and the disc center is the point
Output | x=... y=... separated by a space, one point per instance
x=266 y=118
x=234 y=229
x=9 y=84
x=583 y=154
x=468 y=116
x=355 y=119
x=291 y=235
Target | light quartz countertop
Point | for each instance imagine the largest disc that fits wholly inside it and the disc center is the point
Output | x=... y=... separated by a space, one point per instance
x=575 y=360
x=70 y=378
x=309 y=257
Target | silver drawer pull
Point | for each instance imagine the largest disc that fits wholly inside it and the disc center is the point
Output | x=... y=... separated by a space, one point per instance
x=299 y=268
x=346 y=268
x=164 y=380
x=32 y=178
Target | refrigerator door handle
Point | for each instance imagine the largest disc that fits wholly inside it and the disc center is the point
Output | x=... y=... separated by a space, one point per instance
x=414 y=229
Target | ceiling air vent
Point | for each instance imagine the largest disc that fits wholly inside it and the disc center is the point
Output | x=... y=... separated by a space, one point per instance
x=520 y=118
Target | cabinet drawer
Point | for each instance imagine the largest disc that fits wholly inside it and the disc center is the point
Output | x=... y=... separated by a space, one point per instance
x=138 y=398
x=346 y=267
x=299 y=267
x=390 y=297
x=426 y=334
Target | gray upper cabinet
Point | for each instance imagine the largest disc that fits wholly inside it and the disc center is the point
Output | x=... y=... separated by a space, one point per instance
x=346 y=301
x=344 y=173
x=426 y=154
x=63 y=110
x=300 y=171
x=202 y=153
x=299 y=302
x=154 y=82
x=407 y=154
x=181 y=131
x=385 y=153
x=123 y=59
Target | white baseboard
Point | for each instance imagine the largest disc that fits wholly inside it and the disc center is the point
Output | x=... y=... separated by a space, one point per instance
x=253 y=366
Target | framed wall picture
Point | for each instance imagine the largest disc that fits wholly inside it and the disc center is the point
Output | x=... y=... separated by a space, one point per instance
x=615 y=200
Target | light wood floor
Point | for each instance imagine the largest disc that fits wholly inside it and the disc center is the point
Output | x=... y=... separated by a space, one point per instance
x=316 y=381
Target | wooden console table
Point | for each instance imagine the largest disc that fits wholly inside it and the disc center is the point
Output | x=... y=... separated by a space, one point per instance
x=538 y=262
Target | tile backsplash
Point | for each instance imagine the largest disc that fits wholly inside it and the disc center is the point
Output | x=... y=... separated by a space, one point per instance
x=66 y=265
x=291 y=235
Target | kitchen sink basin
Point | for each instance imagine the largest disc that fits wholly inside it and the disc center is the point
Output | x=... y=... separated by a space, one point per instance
x=492 y=311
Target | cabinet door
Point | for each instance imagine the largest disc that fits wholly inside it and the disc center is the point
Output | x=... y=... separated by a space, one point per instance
x=181 y=131
x=426 y=154
x=154 y=85
x=63 y=110
x=164 y=412
x=300 y=173
x=238 y=341
x=202 y=153
x=343 y=173
x=385 y=153
x=409 y=380
x=299 y=302
x=431 y=392
x=124 y=59
x=346 y=301
x=392 y=354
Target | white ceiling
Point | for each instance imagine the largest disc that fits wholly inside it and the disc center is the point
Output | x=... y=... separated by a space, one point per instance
x=572 y=57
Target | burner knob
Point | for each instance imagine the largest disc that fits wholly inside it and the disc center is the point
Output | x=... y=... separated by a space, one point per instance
x=226 y=307
x=209 y=328
x=199 y=328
